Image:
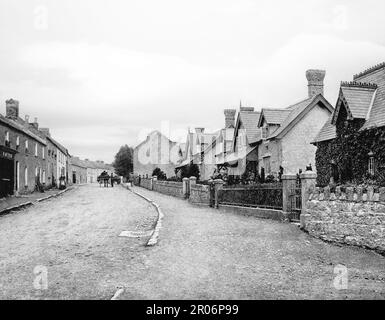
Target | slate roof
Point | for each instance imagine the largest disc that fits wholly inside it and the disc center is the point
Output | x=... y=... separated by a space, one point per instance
x=75 y=161
x=58 y=145
x=365 y=99
x=19 y=125
x=358 y=98
x=250 y=120
x=327 y=132
x=275 y=116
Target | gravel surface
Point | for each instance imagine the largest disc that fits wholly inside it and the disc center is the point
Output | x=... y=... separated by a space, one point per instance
x=76 y=237
x=202 y=253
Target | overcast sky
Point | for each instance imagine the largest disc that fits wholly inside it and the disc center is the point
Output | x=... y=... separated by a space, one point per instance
x=101 y=73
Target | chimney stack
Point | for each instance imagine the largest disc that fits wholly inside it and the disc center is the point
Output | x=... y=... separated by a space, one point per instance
x=35 y=124
x=230 y=118
x=12 y=108
x=315 y=80
x=45 y=131
x=199 y=130
x=26 y=121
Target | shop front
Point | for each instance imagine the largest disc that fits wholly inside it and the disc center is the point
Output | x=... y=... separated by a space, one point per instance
x=7 y=171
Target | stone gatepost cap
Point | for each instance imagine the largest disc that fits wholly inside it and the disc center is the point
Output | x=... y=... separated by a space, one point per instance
x=289 y=176
x=218 y=181
x=185 y=179
x=193 y=178
x=308 y=175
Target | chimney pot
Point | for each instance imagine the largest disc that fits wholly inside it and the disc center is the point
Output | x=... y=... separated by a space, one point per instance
x=12 y=108
x=315 y=80
x=27 y=119
x=230 y=118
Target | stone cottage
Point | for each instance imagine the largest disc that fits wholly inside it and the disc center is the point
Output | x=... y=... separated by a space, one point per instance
x=351 y=145
x=287 y=133
x=243 y=156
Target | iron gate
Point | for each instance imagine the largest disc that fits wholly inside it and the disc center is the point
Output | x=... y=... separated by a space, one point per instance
x=295 y=201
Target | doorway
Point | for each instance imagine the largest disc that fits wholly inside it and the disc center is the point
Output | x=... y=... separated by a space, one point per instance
x=6 y=177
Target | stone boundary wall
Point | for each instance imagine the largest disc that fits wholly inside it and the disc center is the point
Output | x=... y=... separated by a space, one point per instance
x=146 y=183
x=200 y=194
x=260 y=213
x=348 y=215
x=170 y=188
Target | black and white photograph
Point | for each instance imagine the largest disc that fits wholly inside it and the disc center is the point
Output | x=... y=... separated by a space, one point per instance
x=205 y=151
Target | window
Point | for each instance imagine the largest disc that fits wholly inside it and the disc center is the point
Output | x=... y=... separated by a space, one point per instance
x=43 y=152
x=43 y=180
x=7 y=144
x=35 y=149
x=265 y=132
x=371 y=165
x=26 y=146
x=26 y=176
x=17 y=142
x=266 y=164
x=36 y=172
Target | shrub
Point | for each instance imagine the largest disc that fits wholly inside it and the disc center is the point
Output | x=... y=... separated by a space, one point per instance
x=159 y=173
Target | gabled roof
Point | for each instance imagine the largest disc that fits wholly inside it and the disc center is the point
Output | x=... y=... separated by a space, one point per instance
x=273 y=116
x=327 y=132
x=298 y=111
x=249 y=119
x=357 y=98
x=157 y=132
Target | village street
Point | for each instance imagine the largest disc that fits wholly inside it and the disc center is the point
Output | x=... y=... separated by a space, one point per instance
x=202 y=253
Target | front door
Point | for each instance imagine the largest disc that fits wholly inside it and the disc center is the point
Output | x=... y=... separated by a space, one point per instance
x=6 y=177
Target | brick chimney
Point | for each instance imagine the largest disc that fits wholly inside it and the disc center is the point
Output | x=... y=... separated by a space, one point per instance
x=199 y=130
x=230 y=118
x=45 y=131
x=12 y=108
x=315 y=80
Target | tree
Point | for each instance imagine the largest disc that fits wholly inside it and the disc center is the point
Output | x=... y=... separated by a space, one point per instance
x=123 y=163
x=191 y=170
x=159 y=173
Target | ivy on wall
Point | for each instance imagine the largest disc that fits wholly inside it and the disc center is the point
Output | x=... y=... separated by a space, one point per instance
x=346 y=157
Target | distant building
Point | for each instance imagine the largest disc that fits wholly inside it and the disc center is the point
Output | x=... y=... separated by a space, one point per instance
x=157 y=151
x=77 y=172
x=95 y=168
x=243 y=157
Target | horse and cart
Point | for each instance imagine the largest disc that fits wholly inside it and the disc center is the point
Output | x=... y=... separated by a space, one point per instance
x=106 y=180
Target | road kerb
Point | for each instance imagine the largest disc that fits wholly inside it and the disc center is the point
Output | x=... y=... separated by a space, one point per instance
x=155 y=235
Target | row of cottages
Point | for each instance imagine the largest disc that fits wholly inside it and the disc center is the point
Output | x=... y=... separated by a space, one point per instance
x=351 y=144
x=157 y=151
x=29 y=156
x=276 y=141
x=253 y=142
